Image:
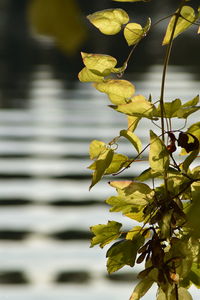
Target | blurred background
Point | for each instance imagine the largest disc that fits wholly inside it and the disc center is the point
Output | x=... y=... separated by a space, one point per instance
x=47 y=120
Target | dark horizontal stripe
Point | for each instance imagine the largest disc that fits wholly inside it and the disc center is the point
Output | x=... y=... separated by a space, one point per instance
x=79 y=277
x=71 y=235
x=13 y=277
x=122 y=277
x=75 y=203
x=15 y=202
x=9 y=234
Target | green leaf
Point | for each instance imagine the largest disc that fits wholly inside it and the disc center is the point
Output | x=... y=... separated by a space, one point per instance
x=138 y=107
x=165 y=226
x=188 y=108
x=194 y=275
x=104 y=234
x=188 y=13
x=119 y=161
x=99 y=64
x=100 y=166
x=86 y=75
x=118 y=91
x=134 y=232
x=96 y=148
x=109 y=21
x=170 y=109
x=133 y=32
x=141 y=288
x=135 y=141
x=123 y=253
x=158 y=154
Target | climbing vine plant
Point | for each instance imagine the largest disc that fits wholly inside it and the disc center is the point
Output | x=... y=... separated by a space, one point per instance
x=165 y=198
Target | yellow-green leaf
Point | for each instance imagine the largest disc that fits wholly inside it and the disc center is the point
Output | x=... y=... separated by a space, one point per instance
x=104 y=234
x=100 y=166
x=109 y=21
x=133 y=33
x=133 y=138
x=170 y=109
x=139 y=106
x=123 y=253
x=118 y=91
x=134 y=232
x=188 y=14
x=188 y=108
x=99 y=64
x=85 y=75
x=96 y=148
x=141 y=288
x=183 y=294
x=132 y=122
x=118 y=162
x=158 y=154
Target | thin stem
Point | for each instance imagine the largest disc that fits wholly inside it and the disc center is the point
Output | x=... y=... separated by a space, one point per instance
x=166 y=62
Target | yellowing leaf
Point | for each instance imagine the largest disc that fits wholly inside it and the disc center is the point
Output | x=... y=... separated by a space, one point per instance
x=158 y=154
x=104 y=234
x=85 y=75
x=188 y=108
x=100 y=166
x=133 y=138
x=118 y=91
x=139 y=106
x=170 y=109
x=109 y=21
x=198 y=30
x=133 y=32
x=132 y=122
x=134 y=232
x=96 y=148
x=99 y=64
x=188 y=14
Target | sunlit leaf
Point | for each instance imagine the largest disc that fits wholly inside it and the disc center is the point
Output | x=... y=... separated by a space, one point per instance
x=123 y=253
x=194 y=275
x=96 y=148
x=188 y=14
x=141 y=288
x=118 y=91
x=104 y=234
x=100 y=165
x=132 y=122
x=132 y=196
x=118 y=162
x=133 y=138
x=189 y=159
x=133 y=32
x=109 y=21
x=158 y=154
x=99 y=64
x=134 y=232
x=170 y=109
x=85 y=75
x=139 y=106
x=188 y=108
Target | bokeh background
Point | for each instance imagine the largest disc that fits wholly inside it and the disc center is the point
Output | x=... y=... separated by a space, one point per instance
x=47 y=120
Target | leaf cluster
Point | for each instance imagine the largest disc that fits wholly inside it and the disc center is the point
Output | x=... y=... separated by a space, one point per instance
x=167 y=206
